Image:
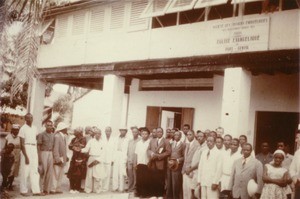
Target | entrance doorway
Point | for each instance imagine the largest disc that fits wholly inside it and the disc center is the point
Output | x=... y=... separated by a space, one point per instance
x=168 y=117
x=273 y=127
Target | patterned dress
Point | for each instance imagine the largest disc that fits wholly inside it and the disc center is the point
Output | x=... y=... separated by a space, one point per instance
x=273 y=191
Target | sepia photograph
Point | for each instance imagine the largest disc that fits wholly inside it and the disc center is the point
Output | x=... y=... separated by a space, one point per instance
x=150 y=99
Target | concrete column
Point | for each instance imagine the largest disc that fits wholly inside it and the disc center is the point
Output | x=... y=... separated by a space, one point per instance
x=113 y=96
x=36 y=101
x=236 y=101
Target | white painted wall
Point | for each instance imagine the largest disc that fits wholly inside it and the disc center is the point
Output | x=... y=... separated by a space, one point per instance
x=169 y=42
x=272 y=93
x=236 y=100
x=268 y=93
x=207 y=104
x=93 y=109
x=89 y=110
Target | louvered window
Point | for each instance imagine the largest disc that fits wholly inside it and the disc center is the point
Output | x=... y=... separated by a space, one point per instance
x=136 y=22
x=207 y=3
x=97 y=20
x=156 y=8
x=181 y=5
x=61 y=29
x=117 y=15
x=78 y=26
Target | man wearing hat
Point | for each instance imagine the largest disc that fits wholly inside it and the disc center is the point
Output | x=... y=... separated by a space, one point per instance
x=59 y=156
x=175 y=162
x=45 y=143
x=95 y=171
x=245 y=169
x=29 y=158
x=109 y=143
x=14 y=139
x=120 y=160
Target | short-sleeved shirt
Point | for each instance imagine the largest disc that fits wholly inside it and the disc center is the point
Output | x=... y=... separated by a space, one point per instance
x=46 y=141
x=28 y=133
x=141 y=151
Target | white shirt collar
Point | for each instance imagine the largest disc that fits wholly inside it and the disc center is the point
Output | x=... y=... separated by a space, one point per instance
x=159 y=139
x=191 y=142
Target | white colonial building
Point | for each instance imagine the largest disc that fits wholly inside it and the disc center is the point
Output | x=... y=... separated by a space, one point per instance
x=165 y=63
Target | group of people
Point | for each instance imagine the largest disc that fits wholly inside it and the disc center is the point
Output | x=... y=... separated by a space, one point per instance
x=173 y=164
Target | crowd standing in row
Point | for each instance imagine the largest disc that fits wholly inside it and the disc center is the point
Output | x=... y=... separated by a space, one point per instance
x=174 y=165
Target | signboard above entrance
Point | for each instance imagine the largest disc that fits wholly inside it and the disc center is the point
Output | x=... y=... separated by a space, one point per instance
x=239 y=35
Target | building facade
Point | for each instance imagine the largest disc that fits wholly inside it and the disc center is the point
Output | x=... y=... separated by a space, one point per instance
x=154 y=63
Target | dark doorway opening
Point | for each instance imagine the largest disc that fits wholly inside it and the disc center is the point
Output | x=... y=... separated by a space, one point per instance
x=273 y=127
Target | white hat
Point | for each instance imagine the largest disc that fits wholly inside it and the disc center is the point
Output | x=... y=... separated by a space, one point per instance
x=123 y=128
x=61 y=126
x=252 y=187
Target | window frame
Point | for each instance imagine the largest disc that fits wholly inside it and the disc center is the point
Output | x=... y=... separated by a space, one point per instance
x=146 y=12
x=171 y=8
x=199 y=3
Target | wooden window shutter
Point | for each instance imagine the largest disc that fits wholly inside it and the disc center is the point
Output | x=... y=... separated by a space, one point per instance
x=78 y=26
x=117 y=15
x=62 y=24
x=153 y=117
x=187 y=116
x=97 y=20
x=136 y=22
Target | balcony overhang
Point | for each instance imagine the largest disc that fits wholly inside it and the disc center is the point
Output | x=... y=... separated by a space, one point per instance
x=91 y=75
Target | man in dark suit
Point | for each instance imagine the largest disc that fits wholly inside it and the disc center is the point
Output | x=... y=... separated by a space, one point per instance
x=245 y=169
x=175 y=163
x=159 y=150
x=190 y=149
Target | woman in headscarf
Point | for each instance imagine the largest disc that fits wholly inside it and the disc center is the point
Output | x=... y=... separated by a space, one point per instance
x=77 y=170
x=14 y=139
x=276 y=178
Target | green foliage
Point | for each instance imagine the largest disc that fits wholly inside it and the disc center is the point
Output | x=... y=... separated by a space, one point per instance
x=19 y=99
x=63 y=104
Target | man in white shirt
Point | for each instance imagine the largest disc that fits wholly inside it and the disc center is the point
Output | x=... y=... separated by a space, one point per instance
x=209 y=170
x=109 y=154
x=220 y=131
x=227 y=142
x=95 y=171
x=29 y=158
x=219 y=143
x=142 y=160
x=228 y=158
x=120 y=159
